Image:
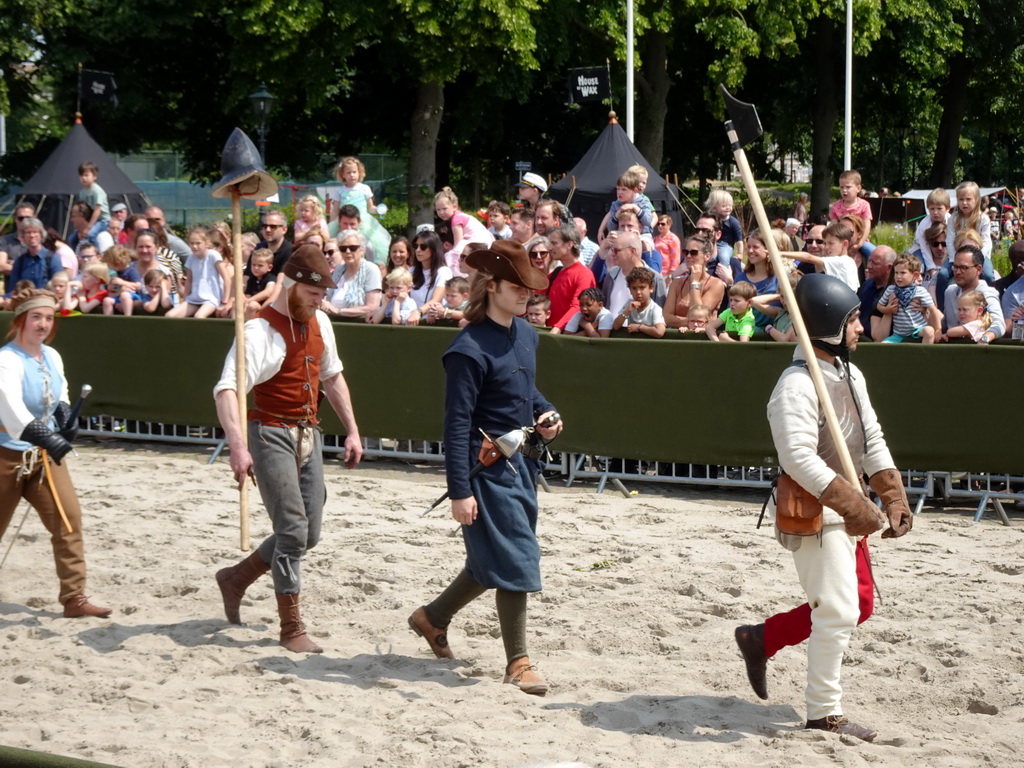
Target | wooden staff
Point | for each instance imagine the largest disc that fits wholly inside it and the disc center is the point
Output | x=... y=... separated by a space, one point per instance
x=742 y=128
x=240 y=379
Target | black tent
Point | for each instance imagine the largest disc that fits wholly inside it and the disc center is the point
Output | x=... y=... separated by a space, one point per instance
x=53 y=187
x=594 y=177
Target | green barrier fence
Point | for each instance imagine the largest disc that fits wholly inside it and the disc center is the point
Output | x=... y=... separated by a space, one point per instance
x=12 y=757
x=942 y=407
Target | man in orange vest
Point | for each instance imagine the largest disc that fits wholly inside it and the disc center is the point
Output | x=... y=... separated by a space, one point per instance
x=290 y=351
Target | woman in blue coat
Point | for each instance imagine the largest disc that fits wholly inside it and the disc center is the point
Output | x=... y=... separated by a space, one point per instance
x=490 y=372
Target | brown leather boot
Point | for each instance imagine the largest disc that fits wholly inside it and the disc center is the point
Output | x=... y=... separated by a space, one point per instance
x=235 y=580
x=293 y=632
x=750 y=639
x=525 y=676
x=79 y=605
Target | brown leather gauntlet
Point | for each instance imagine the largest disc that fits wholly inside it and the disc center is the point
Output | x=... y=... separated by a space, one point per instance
x=889 y=486
x=860 y=516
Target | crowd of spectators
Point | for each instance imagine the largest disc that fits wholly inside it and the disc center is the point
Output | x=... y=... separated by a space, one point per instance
x=637 y=276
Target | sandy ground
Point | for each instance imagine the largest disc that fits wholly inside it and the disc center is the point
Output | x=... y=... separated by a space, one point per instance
x=633 y=631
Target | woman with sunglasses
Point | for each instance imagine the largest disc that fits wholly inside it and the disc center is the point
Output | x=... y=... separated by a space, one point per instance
x=359 y=283
x=666 y=242
x=429 y=273
x=539 y=250
x=695 y=285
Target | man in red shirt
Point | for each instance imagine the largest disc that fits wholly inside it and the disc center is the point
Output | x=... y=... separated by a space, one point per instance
x=569 y=280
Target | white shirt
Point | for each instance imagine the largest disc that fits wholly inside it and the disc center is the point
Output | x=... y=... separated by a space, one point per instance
x=984 y=229
x=605 y=321
x=422 y=294
x=265 y=351
x=843 y=267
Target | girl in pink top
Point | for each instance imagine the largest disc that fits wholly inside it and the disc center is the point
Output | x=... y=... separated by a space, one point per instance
x=311 y=216
x=465 y=229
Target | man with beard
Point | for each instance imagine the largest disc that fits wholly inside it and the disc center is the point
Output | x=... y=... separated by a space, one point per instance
x=290 y=350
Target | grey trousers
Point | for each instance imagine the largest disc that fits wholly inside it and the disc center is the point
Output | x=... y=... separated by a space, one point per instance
x=294 y=499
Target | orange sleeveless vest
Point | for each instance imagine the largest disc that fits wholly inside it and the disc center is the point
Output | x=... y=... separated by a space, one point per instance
x=293 y=394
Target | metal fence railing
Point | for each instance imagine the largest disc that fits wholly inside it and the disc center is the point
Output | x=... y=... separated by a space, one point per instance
x=985 y=490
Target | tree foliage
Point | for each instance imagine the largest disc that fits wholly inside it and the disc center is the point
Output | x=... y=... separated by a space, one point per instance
x=467 y=87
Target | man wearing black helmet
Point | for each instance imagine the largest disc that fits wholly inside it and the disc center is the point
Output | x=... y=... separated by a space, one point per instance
x=834 y=566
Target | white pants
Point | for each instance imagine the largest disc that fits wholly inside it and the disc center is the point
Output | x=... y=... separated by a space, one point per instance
x=828 y=574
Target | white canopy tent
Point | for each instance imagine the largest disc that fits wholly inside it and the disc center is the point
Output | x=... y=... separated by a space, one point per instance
x=922 y=194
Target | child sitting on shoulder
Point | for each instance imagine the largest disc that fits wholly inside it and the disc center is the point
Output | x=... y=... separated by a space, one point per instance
x=157 y=300
x=93 y=195
x=938 y=205
x=464 y=228
x=594 y=319
x=400 y=305
x=720 y=205
x=538 y=309
x=642 y=314
x=738 y=318
x=850 y=201
x=498 y=215
x=697 y=319
x=629 y=196
x=908 y=322
x=311 y=219
x=261 y=285
x=973 y=316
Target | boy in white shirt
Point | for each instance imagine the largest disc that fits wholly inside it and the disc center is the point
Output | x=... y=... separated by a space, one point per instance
x=834 y=259
x=593 y=319
x=641 y=315
x=938 y=205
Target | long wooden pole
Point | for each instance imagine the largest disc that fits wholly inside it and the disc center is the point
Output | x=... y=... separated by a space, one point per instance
x=803 y=338
x=240 y=378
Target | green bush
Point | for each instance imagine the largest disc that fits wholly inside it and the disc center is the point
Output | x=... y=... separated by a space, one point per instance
x=1001 y=262
x=896 y=236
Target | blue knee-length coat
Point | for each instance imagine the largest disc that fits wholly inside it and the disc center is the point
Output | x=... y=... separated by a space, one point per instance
x=491 y=386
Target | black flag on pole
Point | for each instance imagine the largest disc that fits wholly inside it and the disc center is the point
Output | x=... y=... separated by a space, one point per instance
x=588 y=84
x=99 y=86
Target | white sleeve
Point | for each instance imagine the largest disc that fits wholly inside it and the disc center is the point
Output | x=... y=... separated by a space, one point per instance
x=14 y=416
x=793 y=417
x=657 y=315
x=263 y=357
x=605 y=320
x=995 y=310
x=985 y=230
x=330 y=363
x=842 y=267
x=949 y=306
x=574 y=323
x=921 y=244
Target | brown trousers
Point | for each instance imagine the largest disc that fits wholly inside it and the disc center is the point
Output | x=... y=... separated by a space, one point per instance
x=68 y=551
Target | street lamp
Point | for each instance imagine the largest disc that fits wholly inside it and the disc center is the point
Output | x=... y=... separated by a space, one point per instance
x=261 y=101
